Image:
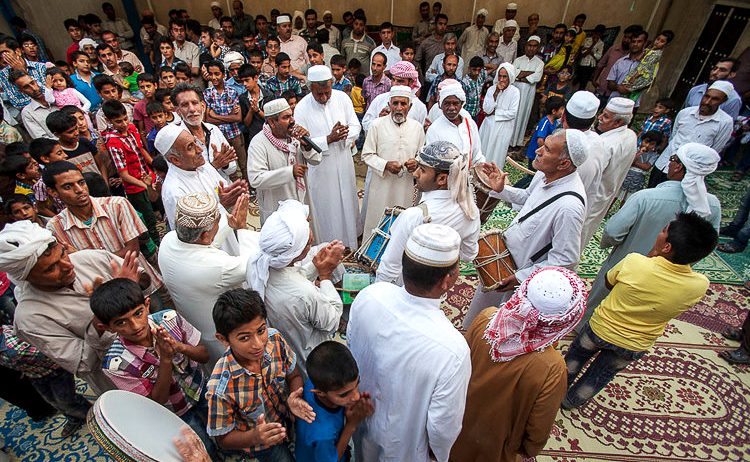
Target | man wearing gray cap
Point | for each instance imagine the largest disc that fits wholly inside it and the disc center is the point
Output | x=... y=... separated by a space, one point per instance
x=547 y=229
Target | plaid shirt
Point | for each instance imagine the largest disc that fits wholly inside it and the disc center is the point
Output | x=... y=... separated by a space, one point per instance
x=370 y=89
x=9 y=134
x=222 y=104
x=135 y=368
x=663 y=124
x=344 y=85
x=22 y=357
x=473 y=90
x=36 y=70
x=236 y=396
x=277 y=87
x=41 y=195
x=125 y=150
x=434 y=87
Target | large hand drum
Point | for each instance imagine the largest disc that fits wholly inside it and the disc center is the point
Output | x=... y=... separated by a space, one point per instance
x=493 y=262
x=133 y=428
x=485 y=203
x=368 y=255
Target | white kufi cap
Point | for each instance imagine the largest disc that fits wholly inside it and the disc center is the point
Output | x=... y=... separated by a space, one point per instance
x=275 y=107
x=512 y=6
x=583 y=104
x=400 y=90
x=550 y=292
x=723 y=86
x=319 y=73
x=534 y=38
x=574 y=139
x=166 y=137
x=281 y=19
x=620 y=105
x=510 y=23
x=434 y=245
x=197 y=210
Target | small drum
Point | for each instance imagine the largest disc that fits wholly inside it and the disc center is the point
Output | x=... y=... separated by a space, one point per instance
x=485 y=203
x=493 y=262
x=368 y=255
x=133 y=428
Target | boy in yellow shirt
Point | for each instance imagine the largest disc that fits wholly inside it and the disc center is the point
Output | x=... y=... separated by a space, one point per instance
x=646 y=293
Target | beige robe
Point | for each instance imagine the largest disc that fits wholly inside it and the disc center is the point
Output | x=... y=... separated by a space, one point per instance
x=471 y=43
x=386 y=141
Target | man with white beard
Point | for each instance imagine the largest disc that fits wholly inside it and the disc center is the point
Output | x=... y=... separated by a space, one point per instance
x=456 y=125
x=402 y=73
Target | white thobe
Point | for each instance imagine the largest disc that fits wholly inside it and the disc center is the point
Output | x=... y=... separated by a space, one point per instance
x=205 y=179
x=559 y=223
x=392 y=54
x=416 y=366
x=418 y=110
x=197 y=274
x=620 y=146
x=386 y=142
x=214 y=141
x=305 y=315
x=590 y=170
x=442 y=210
x=472 y=42
x=270 y=173
x=500 y=25
x=333 y=185
x=465 y=135
x=527 y=92
x=497 y=128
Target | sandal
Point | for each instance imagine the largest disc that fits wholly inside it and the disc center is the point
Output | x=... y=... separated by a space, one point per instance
x=730 y=247
x=737 y=176
x=738 y=356
x=732 y=333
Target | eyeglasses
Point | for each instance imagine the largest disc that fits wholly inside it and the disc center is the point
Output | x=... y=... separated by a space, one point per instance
x=674 y=158
x=29 y=45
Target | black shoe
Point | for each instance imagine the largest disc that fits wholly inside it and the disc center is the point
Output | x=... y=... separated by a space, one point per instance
x=71 y=426
x=729 y=231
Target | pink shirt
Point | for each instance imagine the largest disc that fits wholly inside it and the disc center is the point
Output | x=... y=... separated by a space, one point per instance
x=139 y=113
x=609 y=59
x=296 y=48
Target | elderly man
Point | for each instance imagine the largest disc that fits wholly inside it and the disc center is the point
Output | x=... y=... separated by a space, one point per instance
x=723 y=70
x=456 y=125
x=445 y=202
x=645 y=214
x=334 y=35
x=110 y=38
x=53 y=288
x=389 y=150
x=473 y=38
x=195 y=270
x=510 y=15
x=547 y=229
x=293 y=45
x=119 y=26
x=34 y=113
x=403 y=73
x=329 y=116
x=507 y=49
x=189 y=103
x=620 y=144
x=436 y=67
x=529 y=68
x=304 y=313
x=706 y=124
x=278 y=161
x=402 y=330
x=580 y=113
x=217 y=12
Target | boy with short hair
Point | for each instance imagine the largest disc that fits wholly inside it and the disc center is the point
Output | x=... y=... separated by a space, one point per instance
x=353 y=69
x=20 y=207
x=182 y=73
x=154 y=355
x=162 y=96
x=251 y=102
x=222 y=109
x=246 y=413
x=340 y=82
x=147 y=84
x=554 y=107
x=157 y=114
x=332 y=390
x=255 y=59
x=129 y=78
x=78 y=150
x=291 y=99
x=107 y=88
x=25 y=172
x=660 y=121
x=472 y=83
x=283 y=80
x=315 y=54
x=167 y=78
x=46 y=151
x=644 y=160
x=647 y=291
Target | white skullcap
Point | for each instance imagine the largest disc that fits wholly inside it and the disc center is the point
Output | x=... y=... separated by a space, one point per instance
x=452 y=89
x=275 y=107
x=282 y=18
x=620 y=105
x=233 y=57
x=699 y=160
x=21 y=245
x=534 y=38
x=434 y=245
x=327 y=12
x=723 y=86
x=583 y=104
x=166 y=137
x=512 y=6
x=283 y=237
x=510 y=23
x=86 y=41
x=550 y=292
x=319 y=73
x=215 y=4
x=483 y=12
x=575 y=140
x=197 y=210
x=400 y=90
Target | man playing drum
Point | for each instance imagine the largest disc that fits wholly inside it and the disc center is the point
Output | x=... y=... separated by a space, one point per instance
x=547 y=229
x=442 y=175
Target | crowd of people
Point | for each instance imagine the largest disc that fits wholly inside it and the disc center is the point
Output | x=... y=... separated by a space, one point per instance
x=230 y=329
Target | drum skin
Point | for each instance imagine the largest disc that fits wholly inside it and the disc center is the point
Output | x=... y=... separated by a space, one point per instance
x=485 y=203
x=493 y=261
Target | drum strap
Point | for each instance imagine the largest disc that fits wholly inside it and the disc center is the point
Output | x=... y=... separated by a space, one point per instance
x=425 y=214
x=543 y=251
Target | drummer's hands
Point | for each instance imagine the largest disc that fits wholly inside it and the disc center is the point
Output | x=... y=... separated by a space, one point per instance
x=191 y=447
x=508 y=283
x=495 y=176
x=299 y=406
x=268 y=434
x=411 y=165
x=393 y=166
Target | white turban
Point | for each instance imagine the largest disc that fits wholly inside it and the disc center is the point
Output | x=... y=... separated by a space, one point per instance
x=510 y=69
x=86 y=41
x=510 y=23
x=483 y=12
x=723 y=86
x=283 y=237
x=452 y=89
x=699 y=160
x=21 y=245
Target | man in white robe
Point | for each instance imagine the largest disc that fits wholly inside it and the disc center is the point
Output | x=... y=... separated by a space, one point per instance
x=195 y=270
x=473 y=38
x=580 y=113
x=510 y=14
x=551 y=236
x=401 y=333
x=329 y=116
x=305 y=314
x=501 y=106
x=402 y=73
x=389 y=150
x=277 y=161
x=529 y=71
x=456 y=125
x=189 y=173
x=620 y=144
x=443 y=178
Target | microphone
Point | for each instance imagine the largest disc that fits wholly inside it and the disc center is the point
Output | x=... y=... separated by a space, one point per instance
x=307 y=140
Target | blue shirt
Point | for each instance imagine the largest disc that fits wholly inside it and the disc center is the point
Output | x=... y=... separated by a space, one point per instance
x=543 y=129
x=238 y=87
x=150 y=140
x=731 y=106
x=316 y=442
x=87 y=89
x=619 y=71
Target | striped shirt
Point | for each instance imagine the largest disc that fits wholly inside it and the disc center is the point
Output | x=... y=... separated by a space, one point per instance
x=236 y=396
x=114 y=222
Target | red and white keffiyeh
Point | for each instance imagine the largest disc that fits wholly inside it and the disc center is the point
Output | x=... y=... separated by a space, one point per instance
x=284 y=147
x=544 y=308
x=406 y=70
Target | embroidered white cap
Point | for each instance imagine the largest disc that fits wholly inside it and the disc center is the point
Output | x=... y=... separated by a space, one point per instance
x=620 y=105
x=319 y=73
x=275 y=107
x=576 y=147
x=435 y=245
